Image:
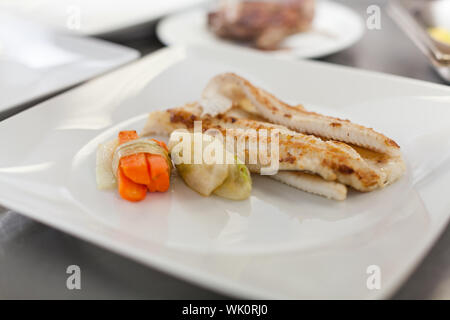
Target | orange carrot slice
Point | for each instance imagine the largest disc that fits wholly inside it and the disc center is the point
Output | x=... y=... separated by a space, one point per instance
x=159 y=173
x=134 y=166
x=128 y=189
x=125 y=136
x=139 y=172
x=132 y=171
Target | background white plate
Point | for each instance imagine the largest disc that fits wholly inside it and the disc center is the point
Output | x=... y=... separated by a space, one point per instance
x=95 y=17
x=335 y=28
x=281 y=243
x=35 y=61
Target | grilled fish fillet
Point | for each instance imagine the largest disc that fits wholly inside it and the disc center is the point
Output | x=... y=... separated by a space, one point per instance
x=312 y=184
x=164 y=123
x=307 y=182
x=226 y=90
x=333 y=161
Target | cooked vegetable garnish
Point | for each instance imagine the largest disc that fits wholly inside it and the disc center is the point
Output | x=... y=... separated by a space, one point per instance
x=160 y=173
x=134 y=165
x=106 y=178
x=136 y=147
x=161 y=144
x=133 y=169
x=128 y=189
x=125 y=136
x=227 y=180
x=238 y=184
x=203 y=178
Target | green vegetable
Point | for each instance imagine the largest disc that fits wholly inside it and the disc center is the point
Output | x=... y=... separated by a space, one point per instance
x=203 y=178
x=231 y=181
x=238 y=184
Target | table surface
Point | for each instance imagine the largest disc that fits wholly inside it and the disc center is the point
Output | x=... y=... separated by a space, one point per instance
x=34 y=257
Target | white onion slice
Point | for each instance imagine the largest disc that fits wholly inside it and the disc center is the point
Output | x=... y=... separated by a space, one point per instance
x=105 y=176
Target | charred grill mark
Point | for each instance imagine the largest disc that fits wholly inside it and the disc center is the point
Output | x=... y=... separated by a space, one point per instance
x=185 y=118
x=291 y=159
x=368 y=179
x=345 y=169
x=335 y=124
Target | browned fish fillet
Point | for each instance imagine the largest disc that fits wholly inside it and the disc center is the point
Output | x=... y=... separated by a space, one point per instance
x=228 y=92
x=228 y=89
x=313 y=184
x=159 y=123
x=333 y=161
x=300 y=180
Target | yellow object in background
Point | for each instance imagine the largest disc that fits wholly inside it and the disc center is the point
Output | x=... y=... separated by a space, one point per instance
x=440 y=34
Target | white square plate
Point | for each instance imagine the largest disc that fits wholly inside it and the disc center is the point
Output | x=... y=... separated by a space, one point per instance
x=36 y=61
x=280 y=243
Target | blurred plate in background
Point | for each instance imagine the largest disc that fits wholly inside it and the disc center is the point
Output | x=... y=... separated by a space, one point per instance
x=95 y=17
x=35 y=61
x=335 y=28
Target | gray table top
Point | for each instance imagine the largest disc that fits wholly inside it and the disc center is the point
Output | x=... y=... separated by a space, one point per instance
x=34 y=257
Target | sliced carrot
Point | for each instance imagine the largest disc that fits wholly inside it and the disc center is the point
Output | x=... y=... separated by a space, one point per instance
x=159 y=173
x=130 y=190
x=134 y=166
x=132 y=171
x=139 y=172
x=125 y=136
